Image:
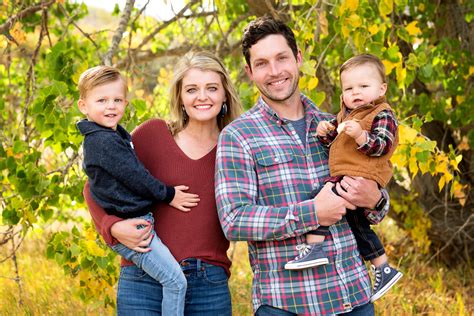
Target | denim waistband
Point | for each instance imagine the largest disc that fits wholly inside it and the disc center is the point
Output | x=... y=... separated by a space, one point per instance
x=192 y=264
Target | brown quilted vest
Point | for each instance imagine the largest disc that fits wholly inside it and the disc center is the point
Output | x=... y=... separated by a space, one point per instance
x=345 y=159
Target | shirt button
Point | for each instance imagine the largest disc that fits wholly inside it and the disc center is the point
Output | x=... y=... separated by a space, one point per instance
x=277 y=159
x=293 y=132
x=315 y=185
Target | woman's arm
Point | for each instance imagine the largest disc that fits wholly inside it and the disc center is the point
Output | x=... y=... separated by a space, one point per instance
x=113 y=228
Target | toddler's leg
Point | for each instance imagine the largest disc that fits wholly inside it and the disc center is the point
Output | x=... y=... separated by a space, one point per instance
x=160 y=264
x=371 y=248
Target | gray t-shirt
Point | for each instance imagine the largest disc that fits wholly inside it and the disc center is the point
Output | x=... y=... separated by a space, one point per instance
x=300 y=127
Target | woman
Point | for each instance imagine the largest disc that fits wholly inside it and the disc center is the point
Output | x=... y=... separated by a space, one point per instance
x=203 y=101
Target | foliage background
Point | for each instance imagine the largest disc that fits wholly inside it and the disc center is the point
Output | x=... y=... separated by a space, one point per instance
x=427 y=48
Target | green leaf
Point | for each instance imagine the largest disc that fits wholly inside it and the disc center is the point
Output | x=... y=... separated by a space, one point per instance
x=10 y=216
x=19 y=147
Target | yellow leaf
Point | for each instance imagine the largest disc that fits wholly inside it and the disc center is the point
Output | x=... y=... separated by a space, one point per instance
x=389 y=66
x=90 y=235
x=471 y=71
x=139 y=93
x=303 y=83
x=413 y=166
x=460 y=99
x=313 y=83
x=345 y=30
x=398 y=159
x=448 y=177
x=442 y=167
x=401 y=75
x=3 y=42
x=94 y=249
x=458 y=192
x=354 y=20
x=421 y=7
x=386 y=7
x=407 y=134
x=373 y=29
x=412 y=29
x=455 y=163
x=323 y=23
x=359 y=40
x=348 y=5
x=424 y=167
x=18 y=34
x=441 y=183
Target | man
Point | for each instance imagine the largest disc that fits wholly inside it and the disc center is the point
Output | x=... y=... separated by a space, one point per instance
x=268 y=163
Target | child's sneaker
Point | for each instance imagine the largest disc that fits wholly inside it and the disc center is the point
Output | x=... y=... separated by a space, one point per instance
x=385 y=278
x=311 y=255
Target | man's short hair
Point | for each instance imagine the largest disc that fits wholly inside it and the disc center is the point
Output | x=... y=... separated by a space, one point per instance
x=261 y=28
x=97 y=76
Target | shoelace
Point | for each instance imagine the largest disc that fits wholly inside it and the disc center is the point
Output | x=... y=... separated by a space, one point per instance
x=378 y=278
x=303 y=250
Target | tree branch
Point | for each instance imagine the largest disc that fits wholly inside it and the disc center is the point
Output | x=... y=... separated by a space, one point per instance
x=71 y=21
x=5 y=27
x=165 y=24
x=119 y=32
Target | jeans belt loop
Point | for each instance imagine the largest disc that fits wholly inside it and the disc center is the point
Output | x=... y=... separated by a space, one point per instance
x=198 y=264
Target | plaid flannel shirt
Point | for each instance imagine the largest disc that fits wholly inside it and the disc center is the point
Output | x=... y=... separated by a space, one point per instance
x=264 y=178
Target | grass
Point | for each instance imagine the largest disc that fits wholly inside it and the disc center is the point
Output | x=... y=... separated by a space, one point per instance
x=424 y=290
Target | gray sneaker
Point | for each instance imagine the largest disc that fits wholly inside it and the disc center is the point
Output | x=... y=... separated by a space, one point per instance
x=385 y=278
x=311 y=255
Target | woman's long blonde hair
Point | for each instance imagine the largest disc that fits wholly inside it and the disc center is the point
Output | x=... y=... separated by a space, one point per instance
x=205 y=61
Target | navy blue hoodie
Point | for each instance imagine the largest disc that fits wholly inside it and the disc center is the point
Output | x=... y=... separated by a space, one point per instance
x=118 y=180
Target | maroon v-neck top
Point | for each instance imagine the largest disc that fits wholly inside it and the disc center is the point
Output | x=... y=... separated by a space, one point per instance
x=194 y=234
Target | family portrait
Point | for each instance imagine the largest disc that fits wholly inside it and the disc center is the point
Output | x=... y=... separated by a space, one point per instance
x=236 y=157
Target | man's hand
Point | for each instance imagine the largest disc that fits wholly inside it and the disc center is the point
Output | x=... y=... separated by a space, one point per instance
x=359 y=191
x=127 y=233
x=330 y=208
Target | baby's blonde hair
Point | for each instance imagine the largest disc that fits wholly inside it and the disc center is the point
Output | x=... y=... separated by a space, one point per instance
x=365 y=59
x=97 y=76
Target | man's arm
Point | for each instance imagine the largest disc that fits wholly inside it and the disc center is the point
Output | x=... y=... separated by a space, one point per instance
x=242 y=218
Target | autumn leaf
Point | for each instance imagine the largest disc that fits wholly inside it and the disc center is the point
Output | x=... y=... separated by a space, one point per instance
x=386 y=7
x=412 y=29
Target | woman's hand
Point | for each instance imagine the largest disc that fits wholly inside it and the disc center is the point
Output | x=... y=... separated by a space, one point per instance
x=127 y=233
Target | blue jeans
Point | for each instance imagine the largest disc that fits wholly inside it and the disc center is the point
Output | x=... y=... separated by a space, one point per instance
x=160 y=264
x=267 y=310
x=207 y=293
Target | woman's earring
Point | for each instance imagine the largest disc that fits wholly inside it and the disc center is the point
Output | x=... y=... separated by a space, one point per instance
x=185 y=115
x=223 y=111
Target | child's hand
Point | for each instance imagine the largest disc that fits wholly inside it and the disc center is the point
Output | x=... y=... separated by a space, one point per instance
x=351 y=128
x=324 y=127
x=354 y=130
x=184 y=201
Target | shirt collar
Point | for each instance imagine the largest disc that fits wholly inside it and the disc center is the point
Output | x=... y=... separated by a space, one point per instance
x=310 y=110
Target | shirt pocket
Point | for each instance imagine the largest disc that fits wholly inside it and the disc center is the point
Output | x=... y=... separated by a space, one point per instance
x=272 y=166
x=268 y=158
